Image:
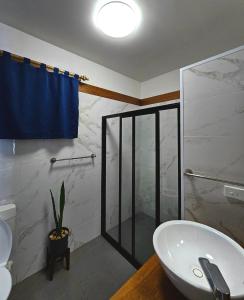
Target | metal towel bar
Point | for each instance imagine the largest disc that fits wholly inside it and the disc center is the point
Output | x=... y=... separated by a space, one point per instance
x=189 y=172
x=54 y=159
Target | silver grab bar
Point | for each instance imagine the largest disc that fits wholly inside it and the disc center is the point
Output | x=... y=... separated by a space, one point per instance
x=189 y=172
x=54 y=159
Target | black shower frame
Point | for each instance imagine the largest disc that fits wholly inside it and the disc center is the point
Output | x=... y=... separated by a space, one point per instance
x=133 y=114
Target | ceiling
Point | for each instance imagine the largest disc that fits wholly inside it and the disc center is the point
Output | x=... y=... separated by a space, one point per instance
x=173 y=33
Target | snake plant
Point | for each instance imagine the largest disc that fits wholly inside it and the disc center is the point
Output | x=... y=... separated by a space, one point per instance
x=58 y=217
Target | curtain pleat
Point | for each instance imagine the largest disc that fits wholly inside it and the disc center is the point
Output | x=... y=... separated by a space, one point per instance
x=35 y=103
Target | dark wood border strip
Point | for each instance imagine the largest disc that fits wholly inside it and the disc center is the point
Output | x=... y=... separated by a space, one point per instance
x=161 y=98
x=94 y=90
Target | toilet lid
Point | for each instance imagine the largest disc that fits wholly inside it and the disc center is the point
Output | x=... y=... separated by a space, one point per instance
x=5 y=242
x=5 y=283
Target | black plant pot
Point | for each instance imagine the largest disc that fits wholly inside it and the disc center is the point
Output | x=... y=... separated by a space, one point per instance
x=58 y=247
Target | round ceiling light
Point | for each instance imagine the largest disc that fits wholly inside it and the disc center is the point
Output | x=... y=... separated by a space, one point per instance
x=117 y=18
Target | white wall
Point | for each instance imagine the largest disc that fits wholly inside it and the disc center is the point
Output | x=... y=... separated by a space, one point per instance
x=23 y=44
x=164 y=83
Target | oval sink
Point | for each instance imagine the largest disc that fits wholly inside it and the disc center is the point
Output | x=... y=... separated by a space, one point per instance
x=180 y=244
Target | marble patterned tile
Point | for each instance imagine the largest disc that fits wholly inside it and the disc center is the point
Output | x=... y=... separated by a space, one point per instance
x=26 y=177
x=214 y=141
x=216 y=77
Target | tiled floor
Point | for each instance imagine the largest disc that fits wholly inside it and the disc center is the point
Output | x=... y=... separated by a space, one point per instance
x=144 y=228
x=97 y=271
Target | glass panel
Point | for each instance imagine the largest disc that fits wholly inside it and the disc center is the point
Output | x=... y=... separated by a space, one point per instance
x=126 y=181
x=168 y=165
x=112 y=180
x=144 y=186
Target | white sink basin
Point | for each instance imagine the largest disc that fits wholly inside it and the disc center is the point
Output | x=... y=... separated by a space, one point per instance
x=179 y=244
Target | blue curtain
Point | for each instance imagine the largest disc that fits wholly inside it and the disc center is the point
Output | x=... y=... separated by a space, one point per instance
x=35 y=103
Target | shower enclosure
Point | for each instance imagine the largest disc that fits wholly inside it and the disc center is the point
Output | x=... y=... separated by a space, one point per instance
x=141 y=182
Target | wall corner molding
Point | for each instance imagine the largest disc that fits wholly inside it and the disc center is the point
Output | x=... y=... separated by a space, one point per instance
x=105 y=93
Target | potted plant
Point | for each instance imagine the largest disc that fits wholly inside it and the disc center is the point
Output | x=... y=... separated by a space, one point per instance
x=58 y=237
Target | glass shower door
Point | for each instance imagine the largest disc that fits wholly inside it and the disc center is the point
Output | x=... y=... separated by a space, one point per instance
x=126 y=185
x=112 y=180
x=141 y=184
x=145 y=186
x=169 y=166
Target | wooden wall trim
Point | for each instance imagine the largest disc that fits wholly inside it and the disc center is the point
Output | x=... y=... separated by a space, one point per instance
x=94 y=90
x=161 y=98
x=97 y=91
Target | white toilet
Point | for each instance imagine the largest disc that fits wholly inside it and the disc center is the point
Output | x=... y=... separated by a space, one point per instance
x=7 y=227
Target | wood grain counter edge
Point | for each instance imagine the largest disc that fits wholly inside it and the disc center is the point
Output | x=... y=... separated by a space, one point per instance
x=150 y=282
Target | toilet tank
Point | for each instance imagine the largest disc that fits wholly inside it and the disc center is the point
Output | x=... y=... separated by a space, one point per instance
x=8 y=214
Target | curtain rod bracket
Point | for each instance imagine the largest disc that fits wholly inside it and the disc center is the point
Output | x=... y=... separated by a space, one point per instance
x=37 y=64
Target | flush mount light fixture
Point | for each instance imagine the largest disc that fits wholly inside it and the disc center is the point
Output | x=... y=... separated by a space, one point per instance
x=117 y=18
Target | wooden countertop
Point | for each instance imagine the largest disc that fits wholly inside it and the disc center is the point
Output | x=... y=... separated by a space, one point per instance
x=149 y=283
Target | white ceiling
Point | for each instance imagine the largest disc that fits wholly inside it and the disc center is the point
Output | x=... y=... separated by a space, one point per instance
x=173 y=33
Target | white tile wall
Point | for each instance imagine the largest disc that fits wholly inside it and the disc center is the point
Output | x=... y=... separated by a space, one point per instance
x=214 y=141
x=26 y=177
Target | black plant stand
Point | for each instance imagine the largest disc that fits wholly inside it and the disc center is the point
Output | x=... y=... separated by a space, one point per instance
x=52 y=259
